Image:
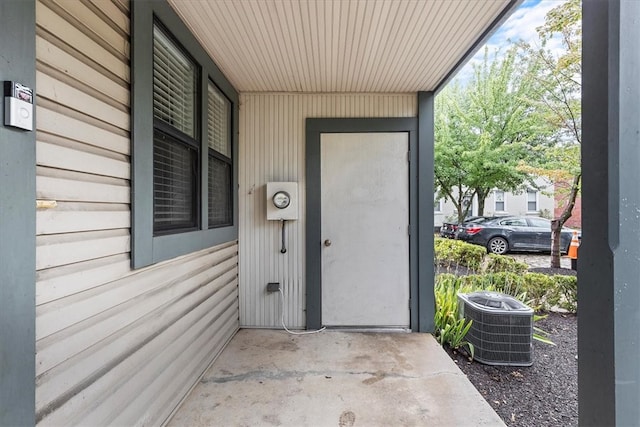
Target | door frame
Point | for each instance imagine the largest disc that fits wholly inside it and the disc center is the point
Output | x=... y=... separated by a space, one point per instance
x=421 y=304
x=373 y=294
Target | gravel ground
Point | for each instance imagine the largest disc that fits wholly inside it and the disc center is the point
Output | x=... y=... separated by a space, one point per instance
x=544 y=394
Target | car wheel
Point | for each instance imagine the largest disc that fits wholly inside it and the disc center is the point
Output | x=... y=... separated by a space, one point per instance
x=498 y=246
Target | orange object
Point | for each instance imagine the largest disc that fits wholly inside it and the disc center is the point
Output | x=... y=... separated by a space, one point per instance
x=573 y=247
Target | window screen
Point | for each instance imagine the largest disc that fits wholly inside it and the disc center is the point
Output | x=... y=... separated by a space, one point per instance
x=220 y=162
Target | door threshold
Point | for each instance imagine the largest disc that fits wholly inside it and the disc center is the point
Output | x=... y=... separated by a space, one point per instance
x=373 y=329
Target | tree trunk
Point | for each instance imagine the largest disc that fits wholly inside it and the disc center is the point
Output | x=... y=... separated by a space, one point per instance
x=558 y=223
x=480 y=205
x=556 y=229
x=461 y=212
x=482 y=197
x=461 y=206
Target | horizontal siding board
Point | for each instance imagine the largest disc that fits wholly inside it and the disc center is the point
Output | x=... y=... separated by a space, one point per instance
x=53 y=23
x=58 y=315
x=60 y=60
x=61 y=189
x=165 y=403
x=121 y=294
x=60 y=282
x=114 y=321
x=59 y=157
x=108 y=339
x=56 y=250
x=62 y=93
x=61 y=141
x=56 y=123
x=99 y=30
x=161 y=398
x=113 y=13
x=99 y=364
x=195 y=346
x=53 y=221
x=75 y=411
x=122 y=4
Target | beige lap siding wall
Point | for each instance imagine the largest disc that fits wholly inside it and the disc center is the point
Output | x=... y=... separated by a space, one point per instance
x=114 y=346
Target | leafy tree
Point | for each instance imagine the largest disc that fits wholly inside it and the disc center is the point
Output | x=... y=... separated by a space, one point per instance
x=559 y=84
x=452 y=148
x=486 y=129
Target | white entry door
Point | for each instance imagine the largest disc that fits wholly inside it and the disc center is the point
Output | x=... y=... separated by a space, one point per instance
x=365 y=219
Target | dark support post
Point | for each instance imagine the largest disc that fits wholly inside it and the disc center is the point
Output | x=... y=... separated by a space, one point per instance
x=17 y=224
x=426 y=138
x=609 y=263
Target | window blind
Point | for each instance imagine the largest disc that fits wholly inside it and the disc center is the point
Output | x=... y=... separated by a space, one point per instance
x=220 y=206
x=174 y=184
x=174 y=84
x=219 y=121
x=220 y=200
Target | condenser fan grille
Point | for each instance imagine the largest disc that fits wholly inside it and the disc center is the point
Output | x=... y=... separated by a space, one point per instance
x=502 y=328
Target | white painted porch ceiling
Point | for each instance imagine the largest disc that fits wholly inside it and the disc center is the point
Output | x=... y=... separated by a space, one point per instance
x=337 y=45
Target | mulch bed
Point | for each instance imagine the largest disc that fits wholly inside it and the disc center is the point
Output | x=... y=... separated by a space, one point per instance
x=544 y=394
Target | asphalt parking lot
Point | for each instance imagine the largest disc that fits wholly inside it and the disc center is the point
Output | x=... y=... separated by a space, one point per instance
x=539 y=260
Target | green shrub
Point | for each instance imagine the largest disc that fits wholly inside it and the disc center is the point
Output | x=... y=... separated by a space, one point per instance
x=450 y=327
x=506 y=283
x=538 y=291
x=450 y=252
x=471 y=281
x=564 y=293
x=475 y=282
x=505 y=274
x=509 y=283
x=502 y=263
x=537 y=286
x=446 y=280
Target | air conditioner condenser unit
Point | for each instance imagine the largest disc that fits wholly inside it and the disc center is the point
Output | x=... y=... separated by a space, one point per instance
x=502 y=328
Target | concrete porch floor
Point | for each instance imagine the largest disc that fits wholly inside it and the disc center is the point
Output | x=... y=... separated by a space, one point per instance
x=270 y=378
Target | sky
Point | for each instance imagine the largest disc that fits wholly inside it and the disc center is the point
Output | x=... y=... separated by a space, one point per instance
x=521 y=25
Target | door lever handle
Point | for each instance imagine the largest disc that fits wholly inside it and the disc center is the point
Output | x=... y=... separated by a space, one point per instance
x=327 y=242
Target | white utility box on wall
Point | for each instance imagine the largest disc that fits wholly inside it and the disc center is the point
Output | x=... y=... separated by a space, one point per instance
x=282 y=200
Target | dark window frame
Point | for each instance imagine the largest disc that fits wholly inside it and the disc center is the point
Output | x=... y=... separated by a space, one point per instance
x=149 y=247
x=228 y=162
x=174 y=136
